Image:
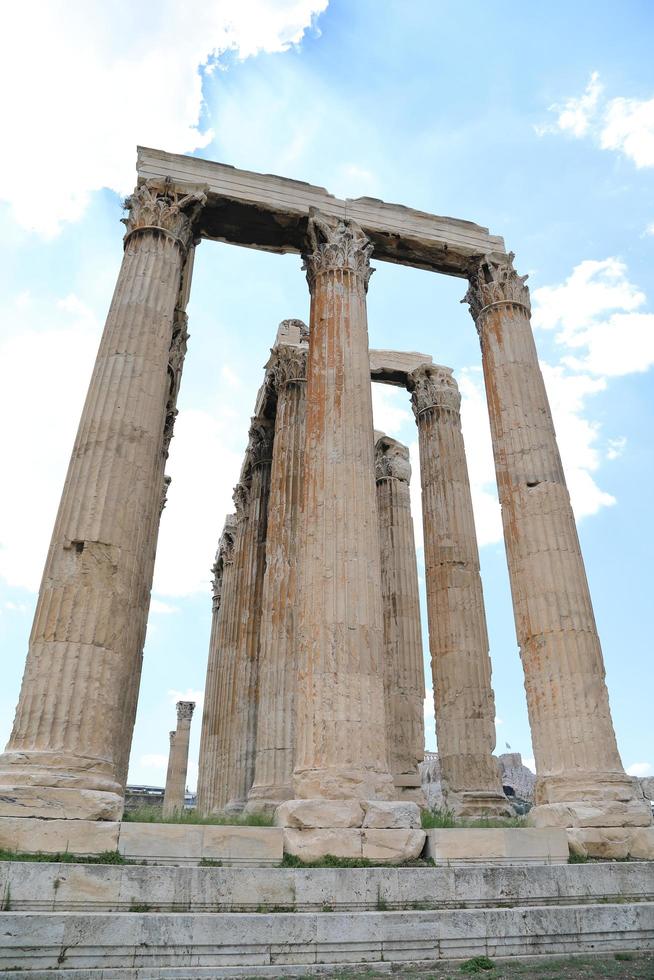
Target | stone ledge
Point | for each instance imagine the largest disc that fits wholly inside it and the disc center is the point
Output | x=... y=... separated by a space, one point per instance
x=149 y=945
x=501 y=846
x=156 y=843
x=389 y=846
x=55 y=887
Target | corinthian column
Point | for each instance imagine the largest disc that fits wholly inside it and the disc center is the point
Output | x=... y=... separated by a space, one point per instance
x=173 y=801
x=404 y=672
x=66 y=754
x=341 y=730
x=243 y=718
x=461 y=669
x=580 y=775
x=212 y=771
x=278 y=646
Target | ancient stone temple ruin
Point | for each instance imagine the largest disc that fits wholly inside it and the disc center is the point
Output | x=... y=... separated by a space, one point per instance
x=314 y=683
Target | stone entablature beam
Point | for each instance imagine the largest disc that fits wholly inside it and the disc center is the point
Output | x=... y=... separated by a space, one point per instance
x=271 y=213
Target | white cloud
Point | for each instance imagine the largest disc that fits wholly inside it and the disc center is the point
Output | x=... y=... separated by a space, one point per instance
x=576 y=114
x=153 y=760
x=640 y=769
x=51 y=359
x=616 y=447
x=649 y=230
x=624 y=125
x=190 y=694
x=595 y=314
x=92 y=80
x=204 y=472
x=530 y=764
x=499 y=721
x=162 y=608
x=390 y=408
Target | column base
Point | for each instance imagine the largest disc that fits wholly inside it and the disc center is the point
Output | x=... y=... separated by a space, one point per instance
x=266 y=799
x=592 y=799
x=56 y=785
x=336 y=783
x=477 y=804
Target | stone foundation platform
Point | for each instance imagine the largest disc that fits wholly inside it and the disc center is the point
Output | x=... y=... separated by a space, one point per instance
x=142 y=922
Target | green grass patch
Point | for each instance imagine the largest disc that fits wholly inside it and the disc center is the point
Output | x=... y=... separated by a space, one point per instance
x=477 y=964
x=331 y=861
x=64 y=857
x=578 y=859
x=445 y=819
x=152 y=814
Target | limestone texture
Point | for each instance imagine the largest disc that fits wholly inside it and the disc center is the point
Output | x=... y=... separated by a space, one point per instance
x=173 y=801
x=576 y=754
x=404 y=676
x=458 y=638
x=67 y=754
x=275 y=734
x=214 y=738
x=340 y=717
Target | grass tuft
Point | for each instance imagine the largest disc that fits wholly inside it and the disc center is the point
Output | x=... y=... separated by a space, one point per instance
x=477 y=964
x=152 y=814
x=445 y=819
x=64 y=857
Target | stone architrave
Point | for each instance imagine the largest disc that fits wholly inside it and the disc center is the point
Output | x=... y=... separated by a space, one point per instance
x=212 y=771
x=404 y=672
x=580 y=777
x=458 y=639
x=341 y=728
x=67 y=751
x=281 y=591
x=242 y=719
x=173 y=801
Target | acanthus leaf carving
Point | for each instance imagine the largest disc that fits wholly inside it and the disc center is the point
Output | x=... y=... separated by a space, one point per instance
x=185 y=710
x=336 y=244
x=288 y=364
x=433 y=386
x=392 y=460
x=166 y=207
x=261 y=435
x=493 y=281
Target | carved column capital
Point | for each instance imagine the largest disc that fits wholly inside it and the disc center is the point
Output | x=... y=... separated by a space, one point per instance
x=224 y=556
x=336 y=244
x=165 y=207
x=185 y=710
x=433 y=387
x=262 y=432
x=392 y=460
x=288 y=364
x=495 y=282
x=241 y=497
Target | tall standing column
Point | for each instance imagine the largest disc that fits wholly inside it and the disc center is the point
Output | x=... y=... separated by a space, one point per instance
x=404 y=672
x=212 y=778
x=580 y=775
x=458 y=639
x=243 y=728
x=281 y=591
x=341 y=729
x=66 y=752
x=173 y=801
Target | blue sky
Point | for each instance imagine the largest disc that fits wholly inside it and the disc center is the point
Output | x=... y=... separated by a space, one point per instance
x=535 y=121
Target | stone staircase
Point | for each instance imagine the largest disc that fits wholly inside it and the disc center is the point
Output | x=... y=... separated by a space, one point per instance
x=135 y=921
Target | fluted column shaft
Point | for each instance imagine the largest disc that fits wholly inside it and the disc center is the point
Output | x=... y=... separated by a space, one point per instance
x=173 y=801
x=243 y=727
x=66 y=754
x=574 y=742
x=404 y=673
x=458 y=639
x=212 y=775
x=341 y=732
x=278 y=645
